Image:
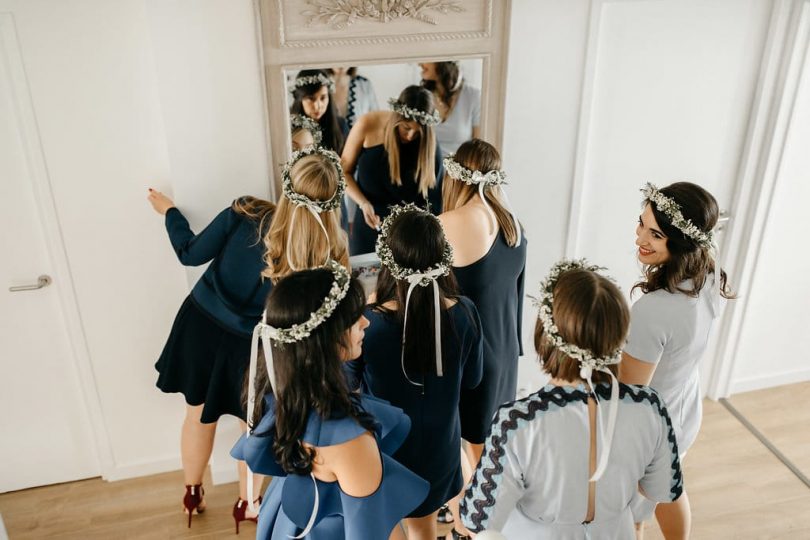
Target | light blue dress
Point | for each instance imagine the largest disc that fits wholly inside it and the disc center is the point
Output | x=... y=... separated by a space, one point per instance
x=290 y=499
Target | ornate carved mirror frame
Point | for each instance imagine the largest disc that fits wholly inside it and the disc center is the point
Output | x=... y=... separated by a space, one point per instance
x=299 y=34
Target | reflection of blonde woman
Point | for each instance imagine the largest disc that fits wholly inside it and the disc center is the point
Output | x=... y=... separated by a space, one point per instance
x=391 y=157
x=207 y=351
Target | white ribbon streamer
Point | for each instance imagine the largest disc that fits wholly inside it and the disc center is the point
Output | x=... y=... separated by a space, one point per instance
x=606 y=431
x=314 y=514
x=315 y=211
x=414 y=280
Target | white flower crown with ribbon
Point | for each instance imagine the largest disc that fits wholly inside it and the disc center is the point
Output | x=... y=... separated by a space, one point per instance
x=305 y=122
x=315 y=207
x=495 y=177
x=319 y=78
x=414 y=114
x=588 y=362
x=297 y=332
x=422 y=278
x=672 y=210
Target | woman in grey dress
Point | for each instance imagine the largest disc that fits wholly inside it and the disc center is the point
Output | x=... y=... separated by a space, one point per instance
x=671 y=323
x=458 y=103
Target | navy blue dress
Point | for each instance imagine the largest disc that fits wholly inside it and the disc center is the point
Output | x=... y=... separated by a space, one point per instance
x=374 y=179
x=495 y=285
x=432 y=447
x=207 y=351
x=290 y=499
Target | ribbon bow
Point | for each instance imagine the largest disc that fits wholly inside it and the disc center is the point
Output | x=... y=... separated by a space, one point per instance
x=315 y=210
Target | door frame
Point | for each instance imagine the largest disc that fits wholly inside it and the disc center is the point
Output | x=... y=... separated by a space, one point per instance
x=48 y=218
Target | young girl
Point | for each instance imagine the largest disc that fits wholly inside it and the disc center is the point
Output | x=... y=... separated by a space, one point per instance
x=395 y=158
x=566 y=461
x=458 y=103
x=304 y=132
x=422 y=347
x=205 y=356
x=328 y=448
x=671 y=323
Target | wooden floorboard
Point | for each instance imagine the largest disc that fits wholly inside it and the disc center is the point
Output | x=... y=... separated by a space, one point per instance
x=737 y=488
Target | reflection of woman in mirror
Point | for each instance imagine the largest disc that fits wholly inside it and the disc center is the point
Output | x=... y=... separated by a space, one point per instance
x=671 y=323
x=566 y=461
x=206 y=354
x=395 y=159
x=489 y=260
x=354 y=94
x=458 y=103
x=327 y=448
x=304 y=132
x=431 y=374
x=312 y=97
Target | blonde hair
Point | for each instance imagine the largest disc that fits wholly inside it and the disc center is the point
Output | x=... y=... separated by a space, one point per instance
x=419 y=98
x=316 y=177
x=478 y=155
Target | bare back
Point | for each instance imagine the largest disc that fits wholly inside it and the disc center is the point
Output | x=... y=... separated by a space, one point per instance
x=471 y=231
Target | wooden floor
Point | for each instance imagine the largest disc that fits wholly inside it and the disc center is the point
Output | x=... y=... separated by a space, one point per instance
x=737 y=488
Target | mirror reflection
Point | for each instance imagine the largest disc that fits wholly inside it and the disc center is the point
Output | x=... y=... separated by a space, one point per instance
x=392 y=125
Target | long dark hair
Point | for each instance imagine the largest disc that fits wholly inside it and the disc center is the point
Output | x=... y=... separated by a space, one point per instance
x=417 y=241
x=687 y=258
x=332 y=135
x=309 y=374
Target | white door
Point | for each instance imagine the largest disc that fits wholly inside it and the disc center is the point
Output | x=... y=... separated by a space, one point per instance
x=668 y=99
x=45 y=432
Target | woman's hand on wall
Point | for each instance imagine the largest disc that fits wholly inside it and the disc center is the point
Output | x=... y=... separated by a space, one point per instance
x=160 y=202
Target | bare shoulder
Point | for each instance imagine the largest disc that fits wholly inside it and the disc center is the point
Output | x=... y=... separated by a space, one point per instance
x=356 y=464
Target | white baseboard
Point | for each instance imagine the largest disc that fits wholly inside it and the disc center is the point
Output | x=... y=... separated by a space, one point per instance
x=769 y=381
x=134 y=470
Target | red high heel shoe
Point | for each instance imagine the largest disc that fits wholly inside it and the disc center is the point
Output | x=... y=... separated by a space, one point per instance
x=193 y=500
x=239 y=509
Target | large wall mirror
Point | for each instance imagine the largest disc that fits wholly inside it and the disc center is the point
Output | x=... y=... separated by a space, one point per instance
x=387 y=43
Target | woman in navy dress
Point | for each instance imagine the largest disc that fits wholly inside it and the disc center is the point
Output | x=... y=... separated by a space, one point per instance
x=408 y=368
x=392 y=157
x=206 y=353
x=328 y=449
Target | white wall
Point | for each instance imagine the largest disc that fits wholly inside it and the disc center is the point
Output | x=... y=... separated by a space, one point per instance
x=775 y=339
x=131 y=94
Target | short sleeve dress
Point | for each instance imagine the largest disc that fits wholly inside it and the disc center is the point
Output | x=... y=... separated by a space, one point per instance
x=532 y=480
x=207 y=351
x=374 y=179
x=431 y=449
x=495 y=285
x=290 y=499
x=458 y=126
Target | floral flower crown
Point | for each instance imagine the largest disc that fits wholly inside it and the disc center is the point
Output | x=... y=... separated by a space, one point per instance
x=307 y=123
x=319 y=78
x=673 y=211
x=456 y=170
x=545 y=304
x=429 y=274
x=414 y=114
x=301 y=199
x=297 y=332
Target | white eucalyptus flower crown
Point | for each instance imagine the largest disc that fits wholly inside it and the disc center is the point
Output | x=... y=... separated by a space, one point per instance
x=319 y=78
x=307 y=123
x=297 y=332
x=673 y=211
x=588 y=362
x=545 y=305
x=299 y=198
x=414 y=114
x=428 y=275
x=456 y=170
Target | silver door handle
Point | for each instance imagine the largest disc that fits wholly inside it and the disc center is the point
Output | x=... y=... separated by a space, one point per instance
x=42 y=281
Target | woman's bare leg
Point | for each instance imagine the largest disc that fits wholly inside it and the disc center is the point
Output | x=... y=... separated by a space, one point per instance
x=422 y=528
x=675 y=518
x=467 y=469
x=196 y=444
x=258 y=479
